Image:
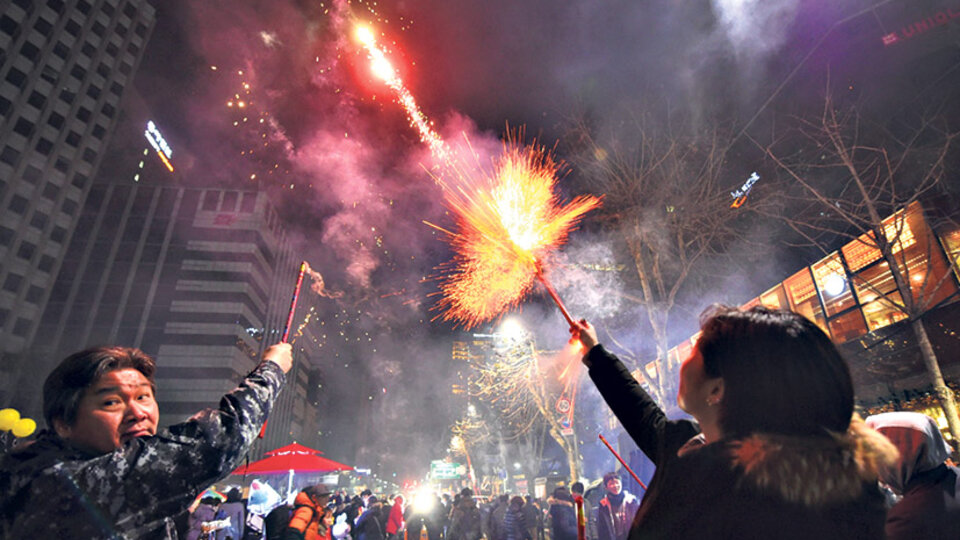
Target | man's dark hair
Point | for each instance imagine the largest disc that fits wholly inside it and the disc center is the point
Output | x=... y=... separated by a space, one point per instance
x=64 y=387
x=610 y=476
x=466 y=492
x=781 y=373
x=577 y=487
x=366 y=493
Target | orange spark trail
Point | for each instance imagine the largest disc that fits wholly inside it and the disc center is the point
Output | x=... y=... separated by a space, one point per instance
x=382 y=68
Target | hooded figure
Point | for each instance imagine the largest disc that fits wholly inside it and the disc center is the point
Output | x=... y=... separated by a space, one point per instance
x=930 y=488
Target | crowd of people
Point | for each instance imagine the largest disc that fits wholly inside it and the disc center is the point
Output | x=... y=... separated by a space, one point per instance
x=773 y=450
x=316 y=513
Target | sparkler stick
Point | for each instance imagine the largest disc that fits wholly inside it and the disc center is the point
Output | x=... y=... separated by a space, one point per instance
x=581 y=518
x=622 y=462
x=556 y=298
x=293 y=302
x=286 y=328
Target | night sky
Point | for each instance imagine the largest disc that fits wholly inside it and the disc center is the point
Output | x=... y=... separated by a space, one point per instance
x=347 y=170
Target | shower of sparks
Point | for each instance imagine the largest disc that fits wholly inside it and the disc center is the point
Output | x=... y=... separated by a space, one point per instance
x=382 y=69
x=506 y=224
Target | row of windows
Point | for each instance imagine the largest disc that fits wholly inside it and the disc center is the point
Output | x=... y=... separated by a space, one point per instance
x=11 y=27
x=18 y=205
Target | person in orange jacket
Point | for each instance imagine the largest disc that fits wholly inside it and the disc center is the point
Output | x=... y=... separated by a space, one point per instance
x=307 y=522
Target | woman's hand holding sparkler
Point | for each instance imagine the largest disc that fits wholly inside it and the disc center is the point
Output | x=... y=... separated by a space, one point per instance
x=586 y=333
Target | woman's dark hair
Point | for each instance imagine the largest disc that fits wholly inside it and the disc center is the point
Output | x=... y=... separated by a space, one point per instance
x=516 y=502
x=64 y=387
x=234 y=495
x=781 y=373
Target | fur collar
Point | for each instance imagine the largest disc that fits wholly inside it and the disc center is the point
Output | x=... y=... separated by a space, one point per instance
x=814 y=470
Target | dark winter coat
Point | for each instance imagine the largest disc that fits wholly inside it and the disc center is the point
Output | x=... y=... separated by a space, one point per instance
x=465 y=523
x=368 y=526
x=495 y=521
x=563 y=519
x=762 y=486
x=514 y=526
x=52 y=489
x=613 y=517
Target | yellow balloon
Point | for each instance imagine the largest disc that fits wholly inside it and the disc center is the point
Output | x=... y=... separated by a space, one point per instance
x=24 y=427
x=8 y=417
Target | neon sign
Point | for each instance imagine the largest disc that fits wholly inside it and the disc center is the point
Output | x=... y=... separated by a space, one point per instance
x=740 y=195
x=159 y=144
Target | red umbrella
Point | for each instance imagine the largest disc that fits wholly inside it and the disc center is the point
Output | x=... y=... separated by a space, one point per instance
x=293 y=457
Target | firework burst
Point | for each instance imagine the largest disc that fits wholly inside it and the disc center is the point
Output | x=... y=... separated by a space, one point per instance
x=507 y=223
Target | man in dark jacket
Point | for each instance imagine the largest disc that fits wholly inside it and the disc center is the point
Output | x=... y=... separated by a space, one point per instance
x=563 y=515
x=466 y=522
x=495 y=519
x=104 y=471
x=616 y=510
x=369 y=525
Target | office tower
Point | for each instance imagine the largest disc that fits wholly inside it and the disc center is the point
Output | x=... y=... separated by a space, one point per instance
x=63 y=71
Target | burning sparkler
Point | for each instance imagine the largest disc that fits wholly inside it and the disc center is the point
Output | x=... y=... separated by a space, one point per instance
x=507 y=222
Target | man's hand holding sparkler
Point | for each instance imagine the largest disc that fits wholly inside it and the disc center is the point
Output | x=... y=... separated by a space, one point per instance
x=280 y=354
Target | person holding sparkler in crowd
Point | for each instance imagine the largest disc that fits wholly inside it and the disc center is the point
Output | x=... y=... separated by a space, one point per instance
x=774 y=451
x=103 y=470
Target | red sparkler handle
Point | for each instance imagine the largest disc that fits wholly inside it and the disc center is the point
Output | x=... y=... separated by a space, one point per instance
x=293 y=302
x=556 y=298
x=622 y=462
x=581 y=518
x=286 y=328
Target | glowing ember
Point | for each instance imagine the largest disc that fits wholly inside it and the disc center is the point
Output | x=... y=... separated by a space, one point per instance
x=507 y=223
x=382 y=69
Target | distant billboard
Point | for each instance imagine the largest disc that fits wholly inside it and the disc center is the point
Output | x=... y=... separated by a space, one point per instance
x=156 y=140
x=445 y=470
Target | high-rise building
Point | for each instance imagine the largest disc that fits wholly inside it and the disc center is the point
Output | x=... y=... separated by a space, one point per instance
x=198 y=278
x=64 y=67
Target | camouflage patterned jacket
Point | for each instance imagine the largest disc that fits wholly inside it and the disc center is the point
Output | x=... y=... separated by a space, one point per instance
x=51 y=489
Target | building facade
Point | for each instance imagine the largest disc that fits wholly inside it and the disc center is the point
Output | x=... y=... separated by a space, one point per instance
x=63 y=71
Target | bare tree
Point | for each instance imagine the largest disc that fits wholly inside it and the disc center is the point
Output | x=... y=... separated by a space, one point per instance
x=667 y=197
x=849 y=179
x=516 y=385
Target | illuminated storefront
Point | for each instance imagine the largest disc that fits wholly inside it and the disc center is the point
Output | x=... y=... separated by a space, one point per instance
x=851 y=294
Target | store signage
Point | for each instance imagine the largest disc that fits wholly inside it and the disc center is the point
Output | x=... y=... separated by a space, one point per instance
x=156 y=140
x=941 y=18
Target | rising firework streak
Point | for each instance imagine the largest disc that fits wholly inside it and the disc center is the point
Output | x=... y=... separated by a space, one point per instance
x=383 y=70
